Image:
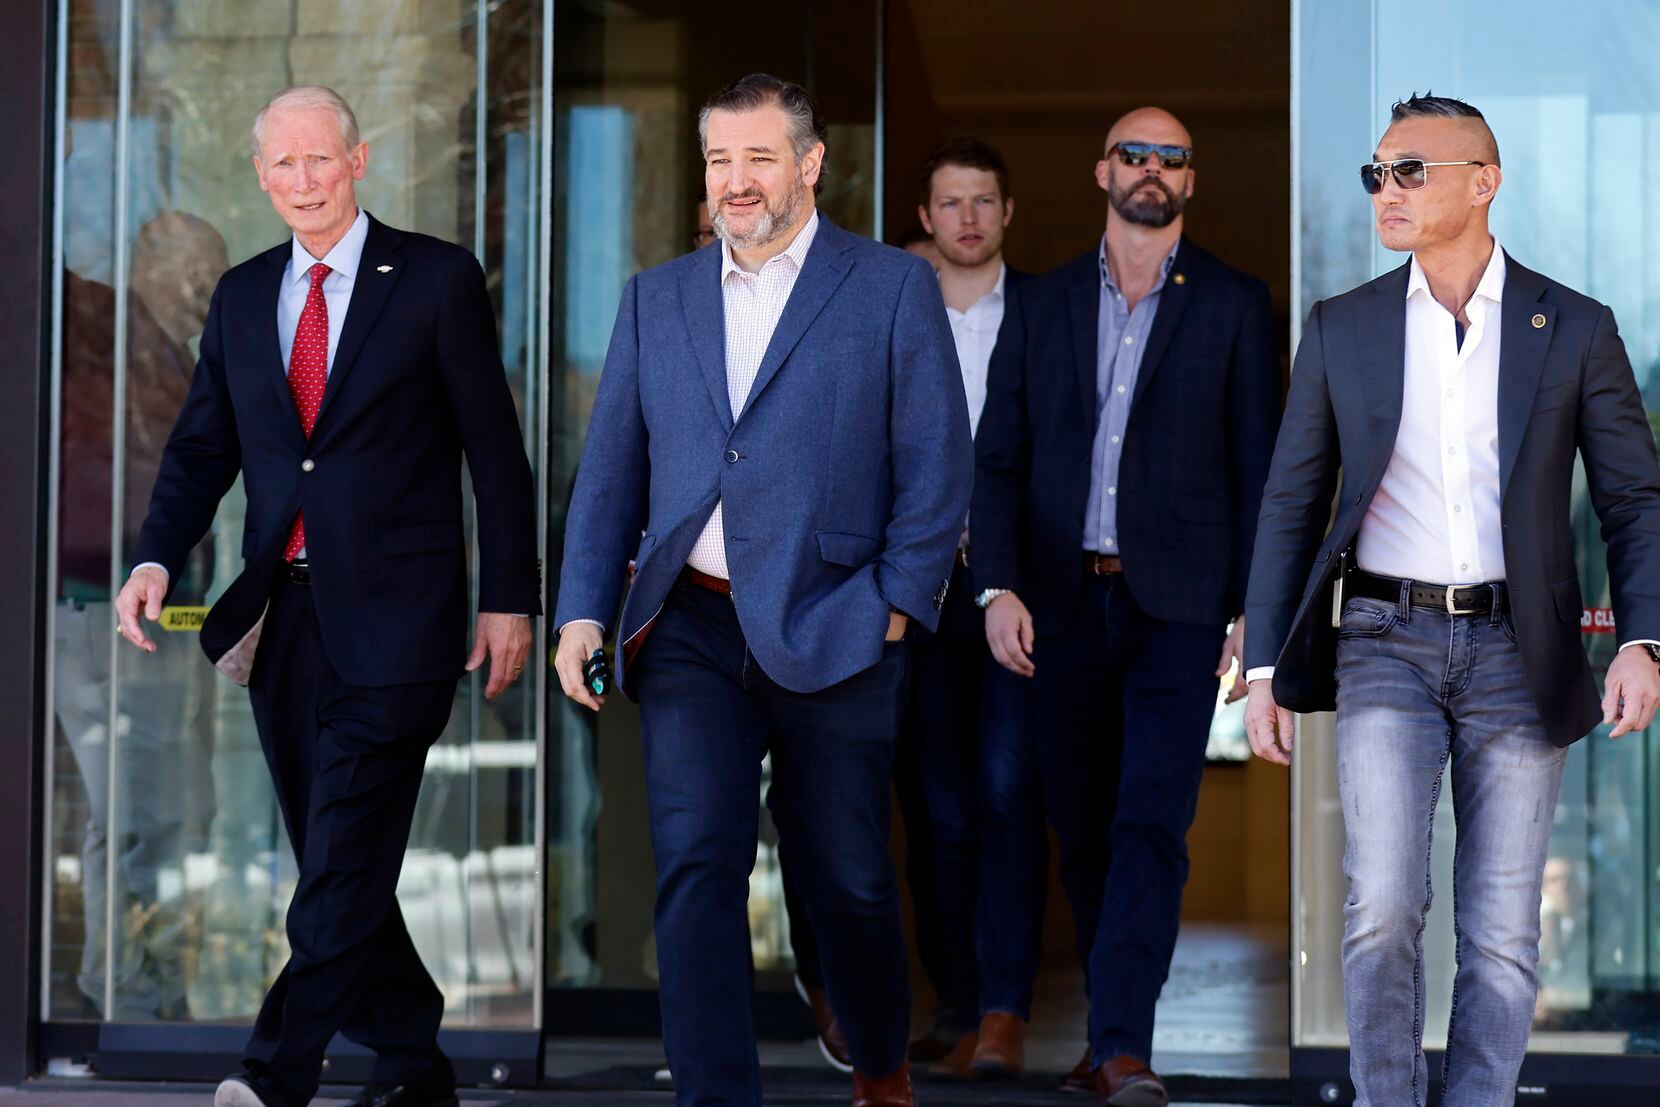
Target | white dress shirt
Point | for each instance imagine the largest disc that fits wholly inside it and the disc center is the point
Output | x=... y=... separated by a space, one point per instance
x=1436 y=515
x=975 y=334
x=754 y=302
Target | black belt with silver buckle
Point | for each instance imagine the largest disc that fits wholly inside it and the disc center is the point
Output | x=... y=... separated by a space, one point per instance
x=299 y=572
x=1454 y=599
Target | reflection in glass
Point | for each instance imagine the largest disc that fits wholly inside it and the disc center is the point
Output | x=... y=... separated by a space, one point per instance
x=1550 y=99
x=170 y=867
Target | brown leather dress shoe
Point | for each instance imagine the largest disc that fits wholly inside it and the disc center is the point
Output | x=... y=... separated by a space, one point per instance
x=1001 y=1053
x=1126 y=1081
x=831 y=1042
x=957 y=1066
x=893 y=1090
x=1081 y=1078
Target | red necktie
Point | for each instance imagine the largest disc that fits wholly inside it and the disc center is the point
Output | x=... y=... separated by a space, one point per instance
x=308 y=374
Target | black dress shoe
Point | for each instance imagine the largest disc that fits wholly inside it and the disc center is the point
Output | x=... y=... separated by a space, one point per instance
x=403 y=1095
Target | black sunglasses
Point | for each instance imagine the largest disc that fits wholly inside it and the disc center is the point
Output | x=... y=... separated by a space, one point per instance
x=1135 y=154
x=1409 y=173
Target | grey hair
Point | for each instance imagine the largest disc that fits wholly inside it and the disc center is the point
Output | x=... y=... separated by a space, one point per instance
x=806 y=127
x=309 y=96
x=1430 y=105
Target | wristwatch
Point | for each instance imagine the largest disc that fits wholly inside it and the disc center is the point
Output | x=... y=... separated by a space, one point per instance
x=983 y=600
x=1653 y=651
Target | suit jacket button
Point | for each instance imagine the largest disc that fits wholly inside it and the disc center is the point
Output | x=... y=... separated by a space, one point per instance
x=307 y=465
x=731 y=457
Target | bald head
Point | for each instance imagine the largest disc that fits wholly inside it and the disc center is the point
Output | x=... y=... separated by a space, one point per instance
x=1152 y=125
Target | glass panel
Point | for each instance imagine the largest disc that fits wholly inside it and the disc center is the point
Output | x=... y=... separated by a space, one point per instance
x=196 y=899
x=627 y=180
x=1553 y=100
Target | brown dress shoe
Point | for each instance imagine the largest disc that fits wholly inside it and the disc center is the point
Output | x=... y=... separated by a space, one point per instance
x=957 y=1066
x=1001 y=1053
x=1081 y=1078
x=831 y=1042
x=1126 y=1081
x=893 y=1090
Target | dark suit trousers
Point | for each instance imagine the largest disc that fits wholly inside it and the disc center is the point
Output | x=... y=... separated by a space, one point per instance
x=1014 y=845
x=347 y=764
x=936 y=776
x=1124 y=703
x=937 y=780
x=708 y=715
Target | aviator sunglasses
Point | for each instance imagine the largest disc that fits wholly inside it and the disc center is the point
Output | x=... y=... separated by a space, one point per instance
x=1408 y=172
x=1135 y=154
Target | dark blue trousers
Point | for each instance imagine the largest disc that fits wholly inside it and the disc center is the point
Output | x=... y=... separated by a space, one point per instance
x=1123 y=709
x=960 y=704
x=1014 y=846
x=708 y=715
x=347 y=764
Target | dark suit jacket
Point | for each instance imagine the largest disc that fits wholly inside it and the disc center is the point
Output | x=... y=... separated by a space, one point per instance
x=843 y=483
x=1195 y=454
x=416 y=382
x=1565 y=384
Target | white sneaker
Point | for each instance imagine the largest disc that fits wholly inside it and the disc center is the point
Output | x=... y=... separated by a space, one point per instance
x=235 y=1091
x=663 y=1075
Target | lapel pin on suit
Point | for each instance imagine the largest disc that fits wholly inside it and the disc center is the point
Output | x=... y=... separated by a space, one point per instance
x=383 y=268
x=1180 y=278
x=1538 y=322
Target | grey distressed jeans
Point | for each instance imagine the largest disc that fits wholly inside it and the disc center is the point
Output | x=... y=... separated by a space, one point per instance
x=1418 y=688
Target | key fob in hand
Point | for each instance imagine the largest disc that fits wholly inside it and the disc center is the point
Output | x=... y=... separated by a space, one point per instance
x=596 y=673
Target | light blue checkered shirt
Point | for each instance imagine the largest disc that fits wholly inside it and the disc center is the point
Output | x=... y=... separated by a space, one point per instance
x=1120 y=338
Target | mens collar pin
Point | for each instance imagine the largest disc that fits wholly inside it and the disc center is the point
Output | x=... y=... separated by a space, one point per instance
x=1539 y=322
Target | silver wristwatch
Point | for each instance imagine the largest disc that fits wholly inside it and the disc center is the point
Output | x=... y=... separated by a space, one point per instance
x=983 y=600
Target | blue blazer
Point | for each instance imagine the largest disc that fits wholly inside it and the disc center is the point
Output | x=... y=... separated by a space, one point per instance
x=416 y=382
x=1565 y=387
x=844 y=481
x=1195 y=454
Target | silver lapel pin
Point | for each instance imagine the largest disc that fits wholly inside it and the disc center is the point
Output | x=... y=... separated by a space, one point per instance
x=383 y=268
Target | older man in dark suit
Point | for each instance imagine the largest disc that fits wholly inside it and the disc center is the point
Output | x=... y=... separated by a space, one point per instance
x=1439 y=610
x=344 y=375
x=1129 y=420
x=780 y=441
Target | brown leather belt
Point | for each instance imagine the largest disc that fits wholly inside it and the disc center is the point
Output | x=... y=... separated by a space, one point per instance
x=1102 y=565
x=714 y=584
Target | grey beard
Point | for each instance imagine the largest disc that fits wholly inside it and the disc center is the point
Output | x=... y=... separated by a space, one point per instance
x=768 y=227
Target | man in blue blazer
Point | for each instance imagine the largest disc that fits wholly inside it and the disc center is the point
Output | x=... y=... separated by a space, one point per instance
x=344 y=375
x=1438 y=609
x=1132 y=408
x=780 y=441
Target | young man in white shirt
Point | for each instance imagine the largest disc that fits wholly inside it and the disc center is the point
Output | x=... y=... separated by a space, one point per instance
x=963 y=712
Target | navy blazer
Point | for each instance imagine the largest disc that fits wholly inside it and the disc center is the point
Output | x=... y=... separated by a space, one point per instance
x=1565 y=385
x=416 y=382
x=844 y=482
x=1195 y=453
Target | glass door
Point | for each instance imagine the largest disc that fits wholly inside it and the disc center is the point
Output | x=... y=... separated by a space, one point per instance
x=1575 y=103
x=167 y=867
